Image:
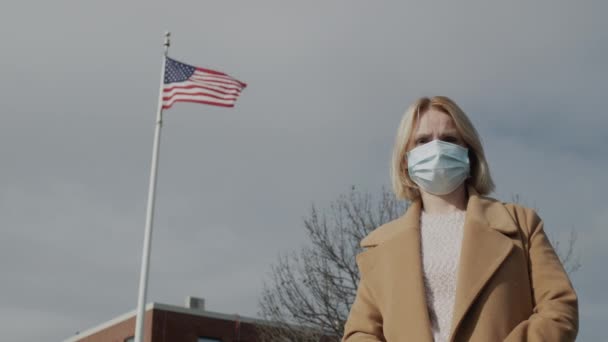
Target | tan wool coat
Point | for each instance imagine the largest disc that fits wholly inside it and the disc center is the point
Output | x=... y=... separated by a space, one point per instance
x=511 y=286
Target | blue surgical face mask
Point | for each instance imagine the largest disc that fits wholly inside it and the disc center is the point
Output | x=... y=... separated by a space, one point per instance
x=438 y=167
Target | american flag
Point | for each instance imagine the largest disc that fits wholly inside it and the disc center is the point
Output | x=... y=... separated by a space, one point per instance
x=187 y=83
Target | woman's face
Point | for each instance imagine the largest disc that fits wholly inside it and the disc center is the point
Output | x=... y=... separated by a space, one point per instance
x=435 y=124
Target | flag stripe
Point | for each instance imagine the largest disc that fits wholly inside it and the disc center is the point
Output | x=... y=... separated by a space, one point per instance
x=211 y=71
x=193 y=90
x=179 y=97
x=203 y=102
x=219 y=78
x=189 y=84
x=229 y=85
x=209 y=99
x=207 y=79
x=224 y=97
x=222 y=77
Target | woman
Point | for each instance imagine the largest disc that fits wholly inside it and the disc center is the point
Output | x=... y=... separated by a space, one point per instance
x=457 y=266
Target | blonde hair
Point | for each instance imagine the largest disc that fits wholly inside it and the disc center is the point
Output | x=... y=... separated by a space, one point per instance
x=403 y=186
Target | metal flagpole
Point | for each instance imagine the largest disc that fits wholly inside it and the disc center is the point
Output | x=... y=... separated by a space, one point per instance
x=145 y=262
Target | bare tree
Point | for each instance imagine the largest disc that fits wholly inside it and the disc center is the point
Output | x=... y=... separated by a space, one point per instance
x=570 y=260
x=308 y=294
x=312 y=290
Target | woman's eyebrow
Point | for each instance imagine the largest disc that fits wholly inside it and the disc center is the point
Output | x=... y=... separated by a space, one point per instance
x=442 y=135
x=449 y=134
x=423 y=135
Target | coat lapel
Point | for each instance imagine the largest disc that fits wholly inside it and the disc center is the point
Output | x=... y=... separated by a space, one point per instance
x=484 y=248
x=398 y=256
x=409 y=300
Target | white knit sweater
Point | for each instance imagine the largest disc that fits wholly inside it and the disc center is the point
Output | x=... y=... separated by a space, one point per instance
x=441 y=239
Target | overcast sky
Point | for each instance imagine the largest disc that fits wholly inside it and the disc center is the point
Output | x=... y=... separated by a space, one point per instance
x=328 y=82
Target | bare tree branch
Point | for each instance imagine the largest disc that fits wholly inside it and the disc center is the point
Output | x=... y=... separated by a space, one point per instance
x=309 y=294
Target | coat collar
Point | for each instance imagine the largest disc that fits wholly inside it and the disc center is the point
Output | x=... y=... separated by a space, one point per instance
x=397 y=248
x=481 y=209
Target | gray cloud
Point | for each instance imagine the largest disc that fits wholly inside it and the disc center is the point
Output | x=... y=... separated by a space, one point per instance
x=328 y=83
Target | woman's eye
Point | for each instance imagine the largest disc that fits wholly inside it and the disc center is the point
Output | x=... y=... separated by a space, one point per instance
x=420 y=141
x=450 y=139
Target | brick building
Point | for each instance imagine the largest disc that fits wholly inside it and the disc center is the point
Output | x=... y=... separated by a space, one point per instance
x=170 y=323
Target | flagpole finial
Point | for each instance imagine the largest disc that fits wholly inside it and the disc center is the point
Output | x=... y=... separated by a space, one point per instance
x=167 y=38
x=167 y=41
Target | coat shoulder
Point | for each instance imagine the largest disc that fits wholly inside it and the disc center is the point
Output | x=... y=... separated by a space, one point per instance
x=380 y=234
x=525 y=217
x=517 y=208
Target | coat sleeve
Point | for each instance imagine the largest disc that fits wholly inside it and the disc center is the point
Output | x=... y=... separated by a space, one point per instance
x=555 y=313
x=364 y=323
